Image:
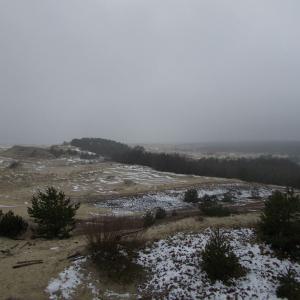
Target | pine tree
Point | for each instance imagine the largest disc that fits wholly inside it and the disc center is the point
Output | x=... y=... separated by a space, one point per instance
x=280 y=222
x=53 y=212
x=218 y=259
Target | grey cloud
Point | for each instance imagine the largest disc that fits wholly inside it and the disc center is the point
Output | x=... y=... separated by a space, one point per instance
x=149 y=71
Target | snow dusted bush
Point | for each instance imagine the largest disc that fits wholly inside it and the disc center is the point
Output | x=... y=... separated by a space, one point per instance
x=218 y=259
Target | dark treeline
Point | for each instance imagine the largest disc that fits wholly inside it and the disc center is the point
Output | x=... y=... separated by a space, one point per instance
x=265 y=169
x=103 y=147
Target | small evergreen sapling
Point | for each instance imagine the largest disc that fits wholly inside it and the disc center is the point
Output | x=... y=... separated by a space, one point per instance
x=53 y=212
x=280 y=222
x=219 y=261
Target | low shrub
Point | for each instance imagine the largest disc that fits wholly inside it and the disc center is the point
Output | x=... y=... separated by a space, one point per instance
x=191 y=196
x=160 y=213
x=112 y=242
x=214 y=209
x=149 y=219
x=208 y=198
x=11 y=225
x=219 y=261
x=105 y=233
x=14 y=164
x=289 y=287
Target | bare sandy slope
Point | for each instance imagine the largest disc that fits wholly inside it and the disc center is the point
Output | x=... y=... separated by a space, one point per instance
x=30 y=282
x=85 y=182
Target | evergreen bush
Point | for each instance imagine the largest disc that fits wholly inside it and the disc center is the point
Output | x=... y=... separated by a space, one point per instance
x=219 y=261
x=53 y=212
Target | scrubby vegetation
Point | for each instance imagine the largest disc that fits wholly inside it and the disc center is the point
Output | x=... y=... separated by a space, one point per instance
x=160 y=213
x=14 y=164
x=53 y=212
x=28 y=152
x=280 y=222
x=289 y=286
x=191 y=196
x=265 y=169
x=219 y=261
x=209 y=206
x=112 y=242
x=58 y=151
x=11 y=225
x=149 y=219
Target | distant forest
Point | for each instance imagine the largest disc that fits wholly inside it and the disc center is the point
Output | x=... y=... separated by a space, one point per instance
x=265 y=169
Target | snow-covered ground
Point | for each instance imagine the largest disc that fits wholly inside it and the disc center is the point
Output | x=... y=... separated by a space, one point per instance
x=64 y=286
x=144 y=203
x=174 y=199
x=69 y=280
x=176 y=273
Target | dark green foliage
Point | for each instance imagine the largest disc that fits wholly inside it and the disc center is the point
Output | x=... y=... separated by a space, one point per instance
x=191 y=196
x=53 y=212
x=160 y=213
x=280 y=222
x=11 y=225
x=289 y=287
x=218 y=259
x=103 y=147
x=215 y=210
x=149 y=219
x=210 y=207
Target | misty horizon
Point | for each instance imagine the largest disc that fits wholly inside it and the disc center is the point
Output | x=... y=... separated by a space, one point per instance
x=149 y=72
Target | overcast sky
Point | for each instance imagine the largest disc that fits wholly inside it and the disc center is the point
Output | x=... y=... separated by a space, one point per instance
x=149 y=71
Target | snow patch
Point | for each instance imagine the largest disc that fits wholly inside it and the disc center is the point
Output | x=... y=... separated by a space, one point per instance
x=175 y=265
x=65 y=285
